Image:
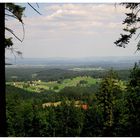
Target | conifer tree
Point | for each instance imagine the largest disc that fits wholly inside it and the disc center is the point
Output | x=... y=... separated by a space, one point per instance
x=133 y=102
x=131 y=23
x=106 y=100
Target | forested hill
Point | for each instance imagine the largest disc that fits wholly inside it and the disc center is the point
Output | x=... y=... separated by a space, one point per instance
x=50 y=74
x=74 y=107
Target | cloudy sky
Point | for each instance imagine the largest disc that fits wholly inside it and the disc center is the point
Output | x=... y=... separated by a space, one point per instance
x=71 y=30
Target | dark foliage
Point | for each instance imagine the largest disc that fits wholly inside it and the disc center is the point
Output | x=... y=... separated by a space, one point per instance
x=111 y=111
x=131 y=21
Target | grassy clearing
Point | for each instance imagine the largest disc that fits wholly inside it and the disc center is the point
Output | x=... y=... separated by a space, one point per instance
x=39 y=86
x=87 y=69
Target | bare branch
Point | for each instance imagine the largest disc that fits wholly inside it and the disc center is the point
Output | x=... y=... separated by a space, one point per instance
x=137 y=36
x=137 y=12
x=14 y=16
x=34 y=8
x=37 y=5
x=11 y=16
x=12 y=51
x=11 y=31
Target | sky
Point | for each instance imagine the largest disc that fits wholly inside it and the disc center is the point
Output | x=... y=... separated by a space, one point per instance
x=71 y=30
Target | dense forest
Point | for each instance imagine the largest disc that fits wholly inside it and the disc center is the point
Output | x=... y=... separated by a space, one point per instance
x=70 y=104
x=50 y=73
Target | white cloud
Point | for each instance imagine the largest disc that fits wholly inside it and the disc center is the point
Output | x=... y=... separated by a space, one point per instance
x=72 y=25
x=75 y=16
x=90 y=11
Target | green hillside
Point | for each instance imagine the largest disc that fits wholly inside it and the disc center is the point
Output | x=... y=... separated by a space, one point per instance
x=40 y=86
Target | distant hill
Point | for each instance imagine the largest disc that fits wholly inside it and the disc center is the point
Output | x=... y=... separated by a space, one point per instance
x=103 y=62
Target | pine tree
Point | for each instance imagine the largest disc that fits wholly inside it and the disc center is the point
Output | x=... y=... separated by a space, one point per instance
x=106 y=100
x=133 y=102
x=71 y=118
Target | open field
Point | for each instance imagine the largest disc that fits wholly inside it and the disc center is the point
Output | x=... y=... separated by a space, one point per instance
x=40 y=86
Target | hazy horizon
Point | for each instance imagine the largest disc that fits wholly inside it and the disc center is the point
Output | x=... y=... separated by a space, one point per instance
x=22 y=58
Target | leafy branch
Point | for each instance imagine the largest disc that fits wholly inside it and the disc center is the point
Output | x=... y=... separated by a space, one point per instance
x=131 y=21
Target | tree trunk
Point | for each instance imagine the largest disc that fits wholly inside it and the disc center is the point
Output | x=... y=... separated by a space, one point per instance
x=2 y=72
